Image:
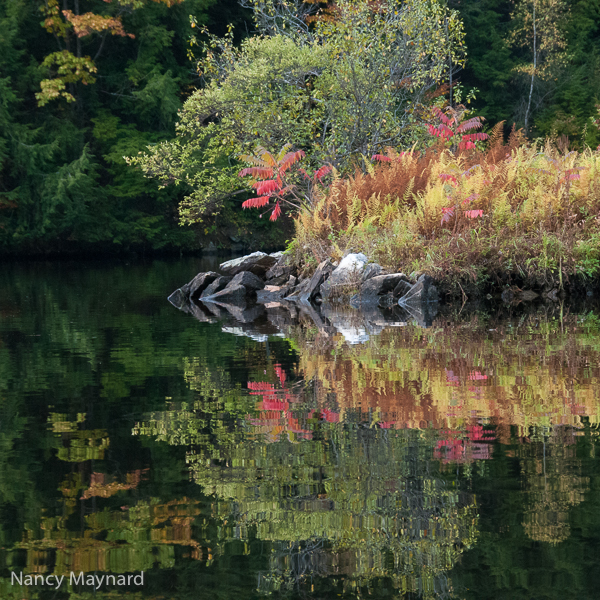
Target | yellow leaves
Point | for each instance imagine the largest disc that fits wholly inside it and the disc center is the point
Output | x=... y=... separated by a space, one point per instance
x=69 y=69
x=88 y=23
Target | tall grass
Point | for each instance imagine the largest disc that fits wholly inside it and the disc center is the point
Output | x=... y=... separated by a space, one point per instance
x=512 y=212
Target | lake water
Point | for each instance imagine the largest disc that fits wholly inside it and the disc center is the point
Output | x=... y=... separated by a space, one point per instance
x=333 y=455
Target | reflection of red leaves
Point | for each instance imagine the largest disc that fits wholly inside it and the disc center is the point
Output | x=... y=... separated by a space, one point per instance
x=330 y=416
x=275 y=416
x=451 y=378
x=461 y=446
x=280 y=374
x=477 y=376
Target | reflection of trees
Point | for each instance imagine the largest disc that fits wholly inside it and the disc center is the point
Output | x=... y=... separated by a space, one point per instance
x=553 y=481
x=348 y=500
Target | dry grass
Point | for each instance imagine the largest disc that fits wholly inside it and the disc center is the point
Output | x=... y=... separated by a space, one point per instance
x=540 y=219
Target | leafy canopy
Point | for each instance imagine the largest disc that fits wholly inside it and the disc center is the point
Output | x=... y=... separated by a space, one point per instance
x=341 y=89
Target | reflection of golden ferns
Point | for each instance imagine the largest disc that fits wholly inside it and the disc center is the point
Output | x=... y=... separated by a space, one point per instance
x=439 y=377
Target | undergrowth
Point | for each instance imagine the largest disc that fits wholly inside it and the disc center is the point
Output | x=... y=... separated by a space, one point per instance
x=510 y=212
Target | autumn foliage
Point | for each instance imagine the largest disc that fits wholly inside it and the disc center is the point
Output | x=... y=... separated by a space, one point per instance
x=505 y=210
x=272 y=180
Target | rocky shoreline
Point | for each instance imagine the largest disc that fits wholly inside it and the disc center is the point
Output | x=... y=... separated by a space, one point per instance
x=264 y=294
x=267 y=278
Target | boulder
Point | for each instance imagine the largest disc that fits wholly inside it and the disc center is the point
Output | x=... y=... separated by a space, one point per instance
x=230 y=295
x=282 y=268
x=298 y=291
x=272 y=293
x=323 y=271
x=196 y=286
x=371 y=270
x=249 y=280
x=346 y=275
x=216 y=286
x=257 y=262
x=377 y=286
x=423 y=291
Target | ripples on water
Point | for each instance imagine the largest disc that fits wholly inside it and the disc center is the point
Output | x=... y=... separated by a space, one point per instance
x=327 y=455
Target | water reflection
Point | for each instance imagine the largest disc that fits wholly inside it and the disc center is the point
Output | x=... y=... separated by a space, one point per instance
x=301 y=452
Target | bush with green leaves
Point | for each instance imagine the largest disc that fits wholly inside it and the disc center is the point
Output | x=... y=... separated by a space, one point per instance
x=340 y=89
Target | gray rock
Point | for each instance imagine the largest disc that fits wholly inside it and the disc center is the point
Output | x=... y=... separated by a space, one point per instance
x=277 y=255
x=216 y=286
x=423 y=291
x=249 y=280
x=278 y=280
x=257 y=262
x=196 y=286
x=272 y=293
x=371 y=270
x=300 y=289
x=345 y=276
x=231 y=294
x=375 y=287
x=283 y=267
x=323 y=271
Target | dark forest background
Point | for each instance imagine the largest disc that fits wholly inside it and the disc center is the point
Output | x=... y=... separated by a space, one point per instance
x=64 y=184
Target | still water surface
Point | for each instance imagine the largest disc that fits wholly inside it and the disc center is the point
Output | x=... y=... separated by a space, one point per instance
x=292 y=458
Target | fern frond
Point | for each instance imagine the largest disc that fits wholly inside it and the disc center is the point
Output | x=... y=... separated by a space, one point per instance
x=284 y=150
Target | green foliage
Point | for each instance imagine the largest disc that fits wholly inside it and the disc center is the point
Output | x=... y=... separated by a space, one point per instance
x=339 y=92
x=64 y=186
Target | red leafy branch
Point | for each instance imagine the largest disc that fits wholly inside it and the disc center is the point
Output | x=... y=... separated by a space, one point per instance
x=272 y=179
x=452 y=128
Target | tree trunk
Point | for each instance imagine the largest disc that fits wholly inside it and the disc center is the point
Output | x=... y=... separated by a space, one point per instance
x=533 y=72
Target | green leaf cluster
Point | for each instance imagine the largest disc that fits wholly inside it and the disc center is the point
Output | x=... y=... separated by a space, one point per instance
x=341 y=91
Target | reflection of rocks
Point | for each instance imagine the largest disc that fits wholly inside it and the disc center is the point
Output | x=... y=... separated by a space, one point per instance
x=514 y=295
x=422 y=292
x=244 y=314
